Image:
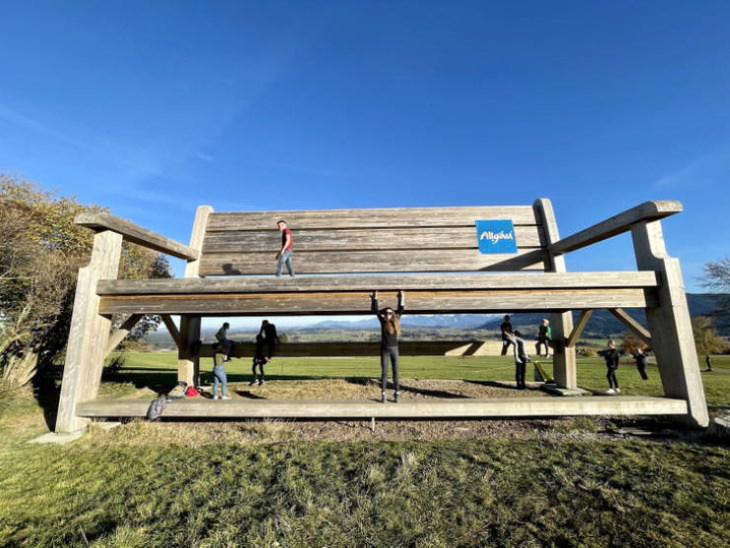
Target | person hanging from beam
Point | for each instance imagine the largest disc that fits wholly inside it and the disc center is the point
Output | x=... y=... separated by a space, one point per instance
x=389 y=333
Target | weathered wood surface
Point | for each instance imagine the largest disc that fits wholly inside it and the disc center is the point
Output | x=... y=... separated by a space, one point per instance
x=462 y=237
x=369 y=218
x=565 y=368
x=356 y=261
x=239 y=408
x=89 y=334
x=352 y=303
x=366 y=240
x=136 y=234
x=618 y=224
x=670 y=324
x=395 y=282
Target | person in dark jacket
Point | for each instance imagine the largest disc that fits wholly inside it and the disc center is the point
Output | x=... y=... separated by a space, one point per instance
x=389 y=333
x=521 y=359
x=641 y=359
x=610 y=355
x=507 y=334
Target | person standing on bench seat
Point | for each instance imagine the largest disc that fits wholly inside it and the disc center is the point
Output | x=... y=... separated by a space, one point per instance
x=611 y=357
x=521 y=359
x=507 y=334
x=389 y=333
x=219 y=372
x=284 y=256
x=222 y=337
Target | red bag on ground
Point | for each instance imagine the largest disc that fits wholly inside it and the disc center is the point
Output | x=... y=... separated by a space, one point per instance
x=191 y=392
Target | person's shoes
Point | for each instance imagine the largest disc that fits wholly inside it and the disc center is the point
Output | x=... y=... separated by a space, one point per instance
x=618 y=391
x=215 y=397
x=252 y=383
x=225 y=397
x=262 y=382
x=610 y=391
x=396 y=396
x=382 y=397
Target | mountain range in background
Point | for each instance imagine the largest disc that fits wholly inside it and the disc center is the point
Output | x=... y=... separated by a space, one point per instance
x=601 y=324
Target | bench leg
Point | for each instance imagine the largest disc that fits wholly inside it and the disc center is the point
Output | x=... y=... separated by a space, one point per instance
x=188 y=361
x=564 y=366
x=670 y=324
x=89 y=335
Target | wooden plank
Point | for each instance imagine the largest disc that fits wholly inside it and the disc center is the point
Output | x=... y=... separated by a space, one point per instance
x=623 y=222
x=344 y=349
x=353 y=303
x=352 y=262
x=240 y=408
x=393 y=282
x=450 y=237
x=136 y=234
x=376 y=217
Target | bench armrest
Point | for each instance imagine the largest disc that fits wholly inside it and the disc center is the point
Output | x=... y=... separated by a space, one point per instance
x=136 y=234
x=648 y=211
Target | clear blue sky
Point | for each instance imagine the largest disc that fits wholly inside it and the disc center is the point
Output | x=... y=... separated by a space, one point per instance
x=154 y=107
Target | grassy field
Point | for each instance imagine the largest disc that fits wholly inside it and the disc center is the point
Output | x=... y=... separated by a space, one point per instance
x=562 y=482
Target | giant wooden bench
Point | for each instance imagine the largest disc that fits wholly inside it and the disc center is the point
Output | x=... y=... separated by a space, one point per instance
x=437 y=256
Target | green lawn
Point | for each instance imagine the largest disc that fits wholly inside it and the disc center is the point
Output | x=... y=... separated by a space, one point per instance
x=558 y=483
x=158 y=371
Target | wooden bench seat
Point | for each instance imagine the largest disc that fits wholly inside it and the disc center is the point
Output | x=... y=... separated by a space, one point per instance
x=425 y=293
x=446 y=260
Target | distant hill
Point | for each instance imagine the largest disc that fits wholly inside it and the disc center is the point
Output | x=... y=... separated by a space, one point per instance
x=603 y=324
x=462 y=321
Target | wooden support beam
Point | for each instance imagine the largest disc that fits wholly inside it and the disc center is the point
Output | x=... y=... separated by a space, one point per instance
x=618 y=224
x=565 y=371
x=136 y=234
x=89 y=334
x=670 y=325
x=638 y=329
x=120 y=334
x=172 y=329
x=579 y=327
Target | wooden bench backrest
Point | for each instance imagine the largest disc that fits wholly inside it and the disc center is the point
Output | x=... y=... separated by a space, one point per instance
x=393 y=240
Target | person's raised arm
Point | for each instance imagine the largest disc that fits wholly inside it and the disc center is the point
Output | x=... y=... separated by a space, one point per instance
x=374 y=302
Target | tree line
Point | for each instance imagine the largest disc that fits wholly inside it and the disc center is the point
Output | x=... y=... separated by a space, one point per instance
x=41 y=250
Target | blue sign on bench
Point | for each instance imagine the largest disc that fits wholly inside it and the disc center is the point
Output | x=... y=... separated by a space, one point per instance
x=496 y=237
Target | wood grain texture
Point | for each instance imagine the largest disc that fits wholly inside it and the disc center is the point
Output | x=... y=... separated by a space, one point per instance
x=367 y=218
x=136 y=234
x=353 y=303
x=350 y=239
x=388 y=282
